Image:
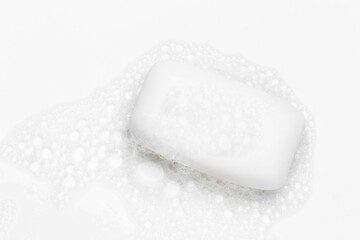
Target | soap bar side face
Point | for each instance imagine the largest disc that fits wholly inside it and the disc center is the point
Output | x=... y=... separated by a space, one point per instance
x=216 y=125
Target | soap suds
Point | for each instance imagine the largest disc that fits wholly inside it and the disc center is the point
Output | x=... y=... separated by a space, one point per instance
x=205 y=119
x=76 y=146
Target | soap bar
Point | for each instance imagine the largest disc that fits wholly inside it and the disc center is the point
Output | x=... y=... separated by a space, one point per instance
x=217 y=125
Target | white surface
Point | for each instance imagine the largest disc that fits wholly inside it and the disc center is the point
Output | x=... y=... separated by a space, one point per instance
x=217 y=125
x=55 y=52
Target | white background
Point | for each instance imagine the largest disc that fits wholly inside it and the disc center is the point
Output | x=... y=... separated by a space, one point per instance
x=51 y=52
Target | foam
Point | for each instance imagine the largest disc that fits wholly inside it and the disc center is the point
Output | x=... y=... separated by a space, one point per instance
x=79 y=146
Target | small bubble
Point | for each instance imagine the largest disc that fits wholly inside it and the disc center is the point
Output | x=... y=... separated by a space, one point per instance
x=148 y=225
x=110 y=108
x=35 y=166
x=115 y=160
x=164 y=57
x=82 y=123
x=256 y=214
x=149 y=173
x=269 y=73
x=93 y=164
x=101 y=152
x=179 y=48
x=190 y=186
x=175 y=203
x=265 y=219
x=79 y=154
x=37 y=142
x=70 y=170
x=172 y=189
x=164 y=48
x=69 y=182
x=46 y=154
x=300 y=196
x=128 y=95
x=252 y=68
x=190 y=58
x=224 y=143
x=74 y=136
x=182 y=101
x=291 y=195
x=228 y=214
x=21 y=145
x=219 y=199
x=104 y=136
x=179 y=212
x=274 y=81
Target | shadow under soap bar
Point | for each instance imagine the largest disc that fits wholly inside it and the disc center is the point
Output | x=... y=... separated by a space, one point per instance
x=216 y=125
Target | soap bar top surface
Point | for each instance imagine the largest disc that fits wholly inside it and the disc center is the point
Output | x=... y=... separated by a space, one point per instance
x=217 y=125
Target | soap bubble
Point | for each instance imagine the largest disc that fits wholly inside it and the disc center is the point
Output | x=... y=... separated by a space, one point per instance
x=74 y=146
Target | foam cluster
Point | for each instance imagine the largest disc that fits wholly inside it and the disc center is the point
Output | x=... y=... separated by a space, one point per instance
x=205 y=119
x=80 y=146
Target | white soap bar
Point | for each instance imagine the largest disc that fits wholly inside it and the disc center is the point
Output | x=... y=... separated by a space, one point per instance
x=217 y=125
